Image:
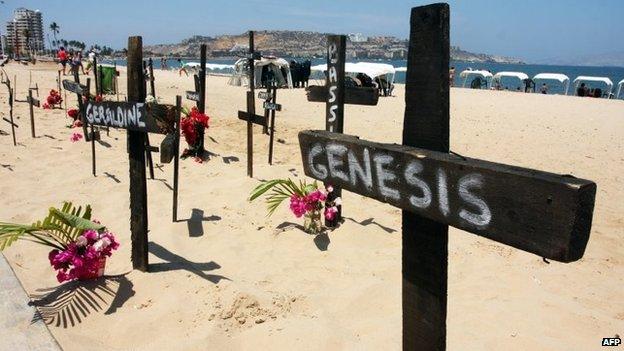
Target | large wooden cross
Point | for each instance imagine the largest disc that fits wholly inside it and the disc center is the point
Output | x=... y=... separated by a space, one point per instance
x=138 y=118
x=335 y=95
x=543 y=213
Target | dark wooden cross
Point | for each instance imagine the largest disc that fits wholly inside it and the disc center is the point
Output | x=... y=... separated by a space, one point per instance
x=7 y=82
x=543 y=213
x=138 y=118
x=32 y=101
x=336 y=95
x=250 y=116
x=270 y=106
x=83 y=91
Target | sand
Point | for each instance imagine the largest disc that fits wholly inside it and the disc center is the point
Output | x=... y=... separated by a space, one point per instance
x=229 y=278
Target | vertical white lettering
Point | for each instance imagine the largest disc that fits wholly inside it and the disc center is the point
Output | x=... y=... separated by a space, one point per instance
x=443 y=203
x=139 y=115
x=131 y=117
x=332 y=75
x=412 y=169
x=335 y=155
x=89 y=113
x=356 y=170
x=319 y=171
x=332 y=93
x=384 y=175
x=482 y=219
x=332 y=112
x=333 y=53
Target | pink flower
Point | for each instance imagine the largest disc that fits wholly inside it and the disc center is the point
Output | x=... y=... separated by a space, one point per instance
x=330 y=213
x=75 y=137
x=316 y=196
x=298 y=205
x=329 y=188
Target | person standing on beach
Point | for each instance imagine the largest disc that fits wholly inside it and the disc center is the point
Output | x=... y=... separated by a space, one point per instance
x=62 y=57
x=91 y=59
x=182 y=64
x=451 y=75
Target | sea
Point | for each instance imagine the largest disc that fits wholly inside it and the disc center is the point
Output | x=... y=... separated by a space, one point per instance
x=616 y=74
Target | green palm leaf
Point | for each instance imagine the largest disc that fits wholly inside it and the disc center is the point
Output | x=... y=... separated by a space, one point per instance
x=278 y=190
x=57 y=230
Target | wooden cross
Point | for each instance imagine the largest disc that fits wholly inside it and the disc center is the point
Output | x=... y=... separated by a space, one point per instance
x=138 y=119
x=7 y=82
x=83 y=91
x=336 y=95
x=32 y=102
x=543 y=213
x=199 y=94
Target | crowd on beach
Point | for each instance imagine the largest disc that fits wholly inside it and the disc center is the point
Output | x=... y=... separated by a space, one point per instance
x=73 y=59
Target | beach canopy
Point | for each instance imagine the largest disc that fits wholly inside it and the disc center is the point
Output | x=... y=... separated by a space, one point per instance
x=519 y=75
x=561 y=78
x=277 y=67
x=373 y=70
x=401 y=69
x=485 y=75
x=620 y=85
x=604 y=80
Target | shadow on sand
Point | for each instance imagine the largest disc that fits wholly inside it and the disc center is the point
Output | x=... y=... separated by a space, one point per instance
x=67 y=305
x=175 y=262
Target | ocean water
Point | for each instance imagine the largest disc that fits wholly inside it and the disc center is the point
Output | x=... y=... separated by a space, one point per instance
x=616 y=74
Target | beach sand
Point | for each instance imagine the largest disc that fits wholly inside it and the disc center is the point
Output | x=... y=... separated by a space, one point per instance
x=226 y=277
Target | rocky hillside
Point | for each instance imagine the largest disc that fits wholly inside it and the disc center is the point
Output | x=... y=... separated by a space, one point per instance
x=305 y=44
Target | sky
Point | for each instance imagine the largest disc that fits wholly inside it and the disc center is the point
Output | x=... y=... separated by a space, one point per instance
x=533 y=30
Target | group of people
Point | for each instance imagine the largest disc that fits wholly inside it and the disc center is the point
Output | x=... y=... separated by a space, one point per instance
x=73 y=59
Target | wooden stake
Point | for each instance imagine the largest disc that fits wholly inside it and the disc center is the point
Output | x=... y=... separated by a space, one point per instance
x=32 y=113
x=251 y=106
x=88 y=137
x=334 y=112
x=426 y=125
x=176 y=157
x=272 y=122
x=136 y=149
x=202 y=80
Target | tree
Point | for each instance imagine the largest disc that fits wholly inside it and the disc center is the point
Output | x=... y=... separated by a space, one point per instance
x=55 y=30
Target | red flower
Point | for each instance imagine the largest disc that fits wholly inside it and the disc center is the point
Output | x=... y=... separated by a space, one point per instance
x=98 y=98
x=73 y=113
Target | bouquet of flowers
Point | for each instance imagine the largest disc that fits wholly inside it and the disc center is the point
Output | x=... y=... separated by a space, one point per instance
x=79 y=245
x=52 y=100
x=192 y=127
x=306 y=200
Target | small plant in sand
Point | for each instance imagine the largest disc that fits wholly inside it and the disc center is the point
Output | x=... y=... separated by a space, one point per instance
x=306 y=200
x=192 y=127
x=79 y=245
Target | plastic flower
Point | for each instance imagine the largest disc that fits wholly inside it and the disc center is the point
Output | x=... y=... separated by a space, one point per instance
x=338 y=201
x=330 y=213
x=75 y=137
x=73 y=113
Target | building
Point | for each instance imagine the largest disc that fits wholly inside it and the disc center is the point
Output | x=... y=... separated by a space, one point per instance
x=357 y=38
x=24 y=33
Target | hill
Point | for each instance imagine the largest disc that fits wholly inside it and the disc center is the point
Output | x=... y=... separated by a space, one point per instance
x=306 y=44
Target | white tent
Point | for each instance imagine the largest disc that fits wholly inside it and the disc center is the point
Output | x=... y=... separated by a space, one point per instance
x=485 y=75
x=620 y=85
x=519 y=75
x=561 y=78
x=605 y=80
x=373 y=70
x=274 y=64
x=401 y=69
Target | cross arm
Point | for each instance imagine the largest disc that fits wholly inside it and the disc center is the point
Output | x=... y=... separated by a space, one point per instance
x=543 y=213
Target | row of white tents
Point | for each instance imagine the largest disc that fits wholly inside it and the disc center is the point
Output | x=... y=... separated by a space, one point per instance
x=488 y=77
x=280 y=67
